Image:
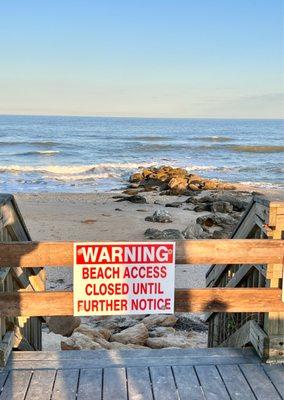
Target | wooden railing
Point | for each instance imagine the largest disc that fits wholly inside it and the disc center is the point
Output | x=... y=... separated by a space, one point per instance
x=60 y=254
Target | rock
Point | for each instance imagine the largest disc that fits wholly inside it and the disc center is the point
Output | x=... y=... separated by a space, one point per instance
x=63 y=325
x=178 y=185
x=161 y=331
x=202 y=207
x=237 y=203
x=136 y=334
x=161 y=216
x=177 y=340
x=210 y=185
x=51 y=341
x=78 y=341
x=226 y=186
x=193 y=186
x=116 y=323
x=175 y=204
x=194 y=231
x=137 y=198
x=121 y=346
x=165 y=234
x=159 y=320
x=94 y=332
x=219 y=219
x=131 y=191
x=222 y=207
x=172 y=234
x=137 y=177
x=190 y=322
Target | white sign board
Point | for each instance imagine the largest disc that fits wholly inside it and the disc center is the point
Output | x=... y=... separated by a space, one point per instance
x=124 y=278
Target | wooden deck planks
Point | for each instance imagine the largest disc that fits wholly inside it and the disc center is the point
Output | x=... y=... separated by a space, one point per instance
x=159 y=377
x=235 y=382
x=41 y=385
x=16 y=385
x=276 y=375
x=90 y=384
x=259 y=382
x=139 y=383
x=65 y=386
x=211 y=382
x=187 y=383
x=114 y=384
x=164 y=387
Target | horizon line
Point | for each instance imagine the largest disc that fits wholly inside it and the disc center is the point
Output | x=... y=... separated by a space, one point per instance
x=132 y=116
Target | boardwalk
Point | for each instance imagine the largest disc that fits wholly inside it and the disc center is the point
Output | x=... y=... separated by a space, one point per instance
x=212 y=374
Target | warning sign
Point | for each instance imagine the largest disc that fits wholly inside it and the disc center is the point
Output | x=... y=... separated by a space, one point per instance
x=124 y=278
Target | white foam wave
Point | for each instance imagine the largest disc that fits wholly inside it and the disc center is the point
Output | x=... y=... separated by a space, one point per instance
x=74 y=169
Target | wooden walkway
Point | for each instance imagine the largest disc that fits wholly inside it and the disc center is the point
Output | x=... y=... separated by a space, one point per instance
x=212 y=374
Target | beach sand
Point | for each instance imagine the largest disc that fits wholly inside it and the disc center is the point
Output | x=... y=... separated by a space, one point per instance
x=99 y=217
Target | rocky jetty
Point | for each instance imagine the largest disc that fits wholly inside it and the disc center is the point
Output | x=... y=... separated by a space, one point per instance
x=174 y=181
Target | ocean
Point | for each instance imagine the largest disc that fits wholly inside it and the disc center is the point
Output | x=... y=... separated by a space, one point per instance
x=89 y=154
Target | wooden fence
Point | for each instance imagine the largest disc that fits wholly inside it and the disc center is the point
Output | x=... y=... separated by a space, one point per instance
x=233 y=251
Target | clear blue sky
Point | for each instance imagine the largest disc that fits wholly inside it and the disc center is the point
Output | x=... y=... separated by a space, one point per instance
x=184 y=58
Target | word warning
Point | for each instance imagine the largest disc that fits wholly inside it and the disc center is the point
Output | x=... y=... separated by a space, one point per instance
x=124 y=278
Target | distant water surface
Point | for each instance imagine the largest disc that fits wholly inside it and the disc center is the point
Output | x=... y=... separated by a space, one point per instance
x=87 y=154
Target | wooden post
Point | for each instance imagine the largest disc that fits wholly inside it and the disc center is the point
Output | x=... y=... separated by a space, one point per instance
x=274 y=321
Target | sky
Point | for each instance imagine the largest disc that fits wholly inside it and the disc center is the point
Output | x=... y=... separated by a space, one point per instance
x=144 y=58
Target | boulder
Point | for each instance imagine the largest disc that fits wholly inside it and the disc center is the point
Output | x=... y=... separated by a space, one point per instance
x=159 y=320
x=94 y=332
x=79 y=341
x=173 y=340
x=137 y=177
x=161 y=216
x=63 y=325
x=134 y=199
x=219 y=219
x=175 y=204
x=161 y=331
x=172 y=234
x=222 y=207
x=152 y=233
x=136 y=334
x=210 y=185
x=202 y=207
x=194 y=231
x=178 y=185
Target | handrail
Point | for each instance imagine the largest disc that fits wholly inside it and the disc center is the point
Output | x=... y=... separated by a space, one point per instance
x=234 y=251
x=212 y=251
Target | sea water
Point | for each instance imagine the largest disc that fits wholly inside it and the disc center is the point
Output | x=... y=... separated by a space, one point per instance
x=88 y=154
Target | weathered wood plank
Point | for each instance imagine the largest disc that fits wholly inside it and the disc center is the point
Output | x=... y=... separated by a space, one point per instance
x=187 y=383
x=115 y=356
x=65 y=386
x=276 y=375
x=212 y=383
x=3 y=377
x=164 y=387
x=16 y=385
x=114 y=384
x=186 y=300
x=139 y=384
x=41 y=385
x=217 y=251
x=90 y=384
x=259 y=382
x=235 y=382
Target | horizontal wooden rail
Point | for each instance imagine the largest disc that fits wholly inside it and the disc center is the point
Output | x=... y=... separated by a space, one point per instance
x=217 y=251
x=186 y=300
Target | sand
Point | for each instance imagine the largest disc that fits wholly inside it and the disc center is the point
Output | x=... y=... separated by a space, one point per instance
x=95 y=217
x=99 y=217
